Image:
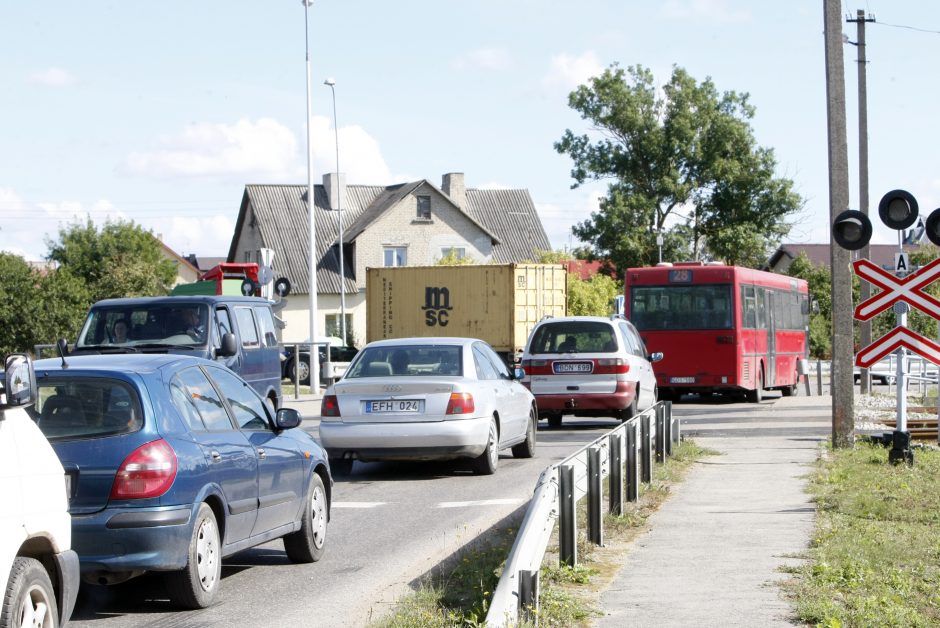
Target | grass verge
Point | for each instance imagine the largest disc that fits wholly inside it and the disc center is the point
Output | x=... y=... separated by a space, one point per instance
x=568 y=595
x=875 y=554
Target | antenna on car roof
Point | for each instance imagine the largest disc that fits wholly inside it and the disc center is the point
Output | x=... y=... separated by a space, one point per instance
x=62 y=346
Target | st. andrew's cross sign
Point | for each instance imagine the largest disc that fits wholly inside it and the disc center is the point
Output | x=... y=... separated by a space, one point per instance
x=909 y=290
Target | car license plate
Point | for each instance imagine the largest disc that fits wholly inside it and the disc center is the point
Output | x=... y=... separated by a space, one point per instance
x=394 y=405
x=681 y=380
x=574 y=367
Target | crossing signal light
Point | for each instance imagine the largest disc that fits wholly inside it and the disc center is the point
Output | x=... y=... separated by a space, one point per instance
x=932 y=227
x=852 y=229
x=898 y=209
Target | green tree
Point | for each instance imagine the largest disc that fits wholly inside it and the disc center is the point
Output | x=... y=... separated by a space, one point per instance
x=687 y=157
x=591 y=297
x=37 y=308
x=454 y=259
x=121 y=260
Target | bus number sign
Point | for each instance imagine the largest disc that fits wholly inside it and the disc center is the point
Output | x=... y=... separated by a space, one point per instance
x=680 y=276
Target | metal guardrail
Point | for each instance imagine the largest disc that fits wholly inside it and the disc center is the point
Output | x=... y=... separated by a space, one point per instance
x=626 y=455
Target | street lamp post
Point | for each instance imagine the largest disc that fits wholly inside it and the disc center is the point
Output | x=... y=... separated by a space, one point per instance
x=311 y=207
x=339 y=208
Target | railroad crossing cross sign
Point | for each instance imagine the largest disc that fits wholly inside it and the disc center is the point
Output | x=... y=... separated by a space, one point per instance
x=909 y=289
x=890 y=342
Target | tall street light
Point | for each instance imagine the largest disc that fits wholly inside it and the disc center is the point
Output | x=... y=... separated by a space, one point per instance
x=339 y=208
x=311 y=207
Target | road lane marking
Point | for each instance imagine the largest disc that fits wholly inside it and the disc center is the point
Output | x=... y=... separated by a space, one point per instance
x=482 y=502
x=357 y=504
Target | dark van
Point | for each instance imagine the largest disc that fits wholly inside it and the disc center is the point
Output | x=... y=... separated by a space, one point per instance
x=236 y=331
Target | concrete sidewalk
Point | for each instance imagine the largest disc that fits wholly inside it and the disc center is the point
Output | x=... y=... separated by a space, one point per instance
x=713 y=552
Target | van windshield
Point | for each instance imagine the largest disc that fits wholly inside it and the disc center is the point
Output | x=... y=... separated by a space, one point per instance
x=145 y=325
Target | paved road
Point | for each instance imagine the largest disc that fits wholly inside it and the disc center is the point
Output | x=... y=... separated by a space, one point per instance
x=391 y=524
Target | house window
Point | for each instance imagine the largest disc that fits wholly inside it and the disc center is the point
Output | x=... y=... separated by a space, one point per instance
x=396 y=256
x=424 y=208
x=457 y=252
x=247 y=257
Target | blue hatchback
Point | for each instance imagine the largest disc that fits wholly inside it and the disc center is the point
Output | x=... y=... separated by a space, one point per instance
x=175 y=463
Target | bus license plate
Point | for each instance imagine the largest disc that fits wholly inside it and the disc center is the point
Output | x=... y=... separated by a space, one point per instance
x=393 y=405
x=574 y=367
x=681 y=380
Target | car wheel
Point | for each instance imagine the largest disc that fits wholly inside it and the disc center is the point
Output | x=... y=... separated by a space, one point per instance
x=630 y=411
x=341 y=466
x=485 y=463
x=307 y=544
x=29 y=599
x=526 y=449
x=196 y=585
x=303 y=365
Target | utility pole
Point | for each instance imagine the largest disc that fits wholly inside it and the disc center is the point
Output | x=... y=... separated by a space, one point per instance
x=841 y=375
x=865 y=287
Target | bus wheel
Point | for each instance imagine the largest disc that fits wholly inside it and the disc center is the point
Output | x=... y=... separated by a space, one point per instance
x=756 y=395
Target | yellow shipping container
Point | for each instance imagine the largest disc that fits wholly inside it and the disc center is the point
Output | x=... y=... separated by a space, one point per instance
x=496 y=303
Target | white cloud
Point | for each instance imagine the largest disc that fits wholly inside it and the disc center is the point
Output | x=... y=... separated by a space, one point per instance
x=210 y=235
x=52 y=77
x=27 y=226
x=568 y=72
x=260 y=151
x=493 y=185
x=264 y=151
x=704 y=10
x=495 y=59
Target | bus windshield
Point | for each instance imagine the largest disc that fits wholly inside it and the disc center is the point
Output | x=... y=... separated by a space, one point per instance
x=689 y=307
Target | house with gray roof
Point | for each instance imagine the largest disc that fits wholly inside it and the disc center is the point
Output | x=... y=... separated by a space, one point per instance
x=406 y=224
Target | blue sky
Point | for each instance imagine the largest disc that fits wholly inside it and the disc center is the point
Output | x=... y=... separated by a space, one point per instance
x=162 y=112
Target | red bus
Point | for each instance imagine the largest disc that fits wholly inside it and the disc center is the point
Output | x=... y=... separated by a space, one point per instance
x=720 y=328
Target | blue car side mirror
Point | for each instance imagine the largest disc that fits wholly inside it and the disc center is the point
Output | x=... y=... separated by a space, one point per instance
x=287 y=418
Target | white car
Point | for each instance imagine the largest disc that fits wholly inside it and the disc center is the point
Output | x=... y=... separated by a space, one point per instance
x=39 y=572
x=427 y=399
x=589 y=366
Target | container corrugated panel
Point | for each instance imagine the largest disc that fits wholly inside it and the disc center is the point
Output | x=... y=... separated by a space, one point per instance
x=496 y=303
x=541 y=290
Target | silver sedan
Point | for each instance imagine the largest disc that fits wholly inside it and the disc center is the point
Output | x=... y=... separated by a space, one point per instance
x=427 y=399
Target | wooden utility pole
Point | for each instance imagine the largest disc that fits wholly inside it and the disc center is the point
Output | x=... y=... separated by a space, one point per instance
x=865 y=287
x=841 y=375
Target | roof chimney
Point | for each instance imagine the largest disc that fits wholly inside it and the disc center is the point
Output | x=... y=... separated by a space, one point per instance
x=335 y=186
x=454 y=187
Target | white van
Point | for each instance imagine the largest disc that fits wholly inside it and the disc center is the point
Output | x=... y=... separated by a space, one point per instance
x=39 y=572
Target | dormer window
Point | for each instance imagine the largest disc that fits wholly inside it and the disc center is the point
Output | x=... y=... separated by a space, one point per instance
x=424 y=208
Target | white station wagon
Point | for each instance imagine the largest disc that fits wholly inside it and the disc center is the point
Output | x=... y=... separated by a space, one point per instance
x=427 y=399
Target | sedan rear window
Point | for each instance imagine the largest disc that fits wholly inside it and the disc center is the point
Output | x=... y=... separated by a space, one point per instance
x=86 y=407
x=407 y=360
x=574 y=337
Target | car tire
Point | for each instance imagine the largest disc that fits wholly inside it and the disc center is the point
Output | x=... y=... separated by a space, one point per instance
x=526 y=449
x=196 y=585
x=486 y=463
x=554 y=419
x=630 y=411
x=341 y=466
x=304 y=370
x=307 y=544
x=29 y=599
